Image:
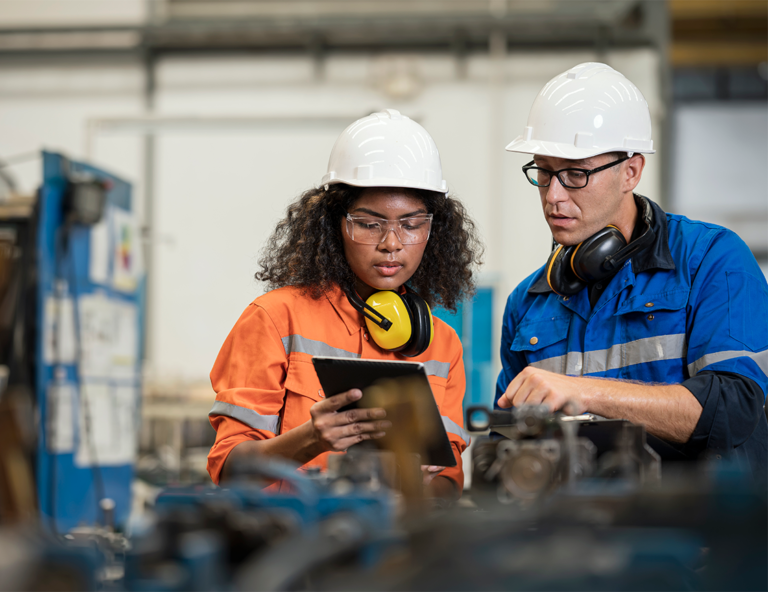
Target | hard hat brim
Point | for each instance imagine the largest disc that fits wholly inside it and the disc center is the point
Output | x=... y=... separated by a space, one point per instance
x=560 y=150
x=387 y=182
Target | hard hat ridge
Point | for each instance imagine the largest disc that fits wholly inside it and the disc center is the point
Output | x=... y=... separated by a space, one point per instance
x=588 y=110
x=386 y=149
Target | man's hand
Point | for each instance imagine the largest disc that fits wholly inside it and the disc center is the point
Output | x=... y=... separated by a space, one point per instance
x=534 y=386
x=336 y=431
x=669 y=411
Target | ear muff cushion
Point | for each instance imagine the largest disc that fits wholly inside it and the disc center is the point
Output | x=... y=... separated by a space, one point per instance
x=421 y=323
x=587 y=260
x=560 y=276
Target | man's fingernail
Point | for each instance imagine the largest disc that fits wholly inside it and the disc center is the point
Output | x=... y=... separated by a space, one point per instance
x=355 y=394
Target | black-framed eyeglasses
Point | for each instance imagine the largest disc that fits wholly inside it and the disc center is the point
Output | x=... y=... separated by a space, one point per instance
x=570 y=178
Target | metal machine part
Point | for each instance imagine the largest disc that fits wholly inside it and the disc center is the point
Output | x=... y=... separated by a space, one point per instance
x=535 y=452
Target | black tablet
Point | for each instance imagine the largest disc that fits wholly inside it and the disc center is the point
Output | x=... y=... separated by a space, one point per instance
x=403 y=390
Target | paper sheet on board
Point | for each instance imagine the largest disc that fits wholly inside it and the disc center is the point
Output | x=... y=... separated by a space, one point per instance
x=60 y=418
x=107 y=424
x=127 y=259
x=109 y=337
x=59 y=331
x=98 y=268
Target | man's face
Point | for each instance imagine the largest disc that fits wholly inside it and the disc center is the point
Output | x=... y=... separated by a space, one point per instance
x=576 y=214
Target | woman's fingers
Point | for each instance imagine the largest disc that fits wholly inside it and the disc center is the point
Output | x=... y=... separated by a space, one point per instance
x=339 y=431
x=336 y=402
x=354 y=429
x=345 y=443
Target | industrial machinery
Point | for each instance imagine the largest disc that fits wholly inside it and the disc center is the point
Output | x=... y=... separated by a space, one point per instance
x=531 y=452
x=556 y=504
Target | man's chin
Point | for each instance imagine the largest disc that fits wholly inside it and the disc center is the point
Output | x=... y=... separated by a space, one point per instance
x=565 y=238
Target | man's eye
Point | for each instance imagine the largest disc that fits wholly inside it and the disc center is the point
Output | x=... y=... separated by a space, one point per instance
x=576 y=174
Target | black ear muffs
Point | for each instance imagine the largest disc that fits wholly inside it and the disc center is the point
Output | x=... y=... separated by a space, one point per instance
x=589 y=257
x=560 y=276
x=570 y=269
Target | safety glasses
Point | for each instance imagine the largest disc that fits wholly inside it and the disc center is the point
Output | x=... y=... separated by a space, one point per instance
x=369 y=230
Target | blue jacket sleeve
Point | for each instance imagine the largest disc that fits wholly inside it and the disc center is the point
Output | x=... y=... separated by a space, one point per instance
x=512 y=362
x=727 y=353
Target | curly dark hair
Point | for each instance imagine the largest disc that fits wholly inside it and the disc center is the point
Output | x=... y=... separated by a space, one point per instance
x=307 y=250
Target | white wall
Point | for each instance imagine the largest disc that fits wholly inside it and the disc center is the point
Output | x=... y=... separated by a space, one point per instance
x=227 y=170
x=720 y=173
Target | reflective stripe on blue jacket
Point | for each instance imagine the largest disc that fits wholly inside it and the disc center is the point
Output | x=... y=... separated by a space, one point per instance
x=691 y=309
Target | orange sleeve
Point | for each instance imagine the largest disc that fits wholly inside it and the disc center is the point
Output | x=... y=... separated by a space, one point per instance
x=452 y=411
x=249 y=380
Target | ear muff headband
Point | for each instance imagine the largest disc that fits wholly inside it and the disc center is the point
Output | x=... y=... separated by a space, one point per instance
x=400 y=323
x=550 y=264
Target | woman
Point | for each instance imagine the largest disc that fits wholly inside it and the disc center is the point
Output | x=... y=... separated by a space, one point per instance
x=381 y=219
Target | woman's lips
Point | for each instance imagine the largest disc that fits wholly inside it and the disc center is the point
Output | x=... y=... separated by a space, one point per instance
x=388 y=269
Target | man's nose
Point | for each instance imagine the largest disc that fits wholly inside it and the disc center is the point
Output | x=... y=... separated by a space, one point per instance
x=556 y=192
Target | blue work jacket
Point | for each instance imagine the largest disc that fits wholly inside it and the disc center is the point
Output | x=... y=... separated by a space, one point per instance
x=692 y=309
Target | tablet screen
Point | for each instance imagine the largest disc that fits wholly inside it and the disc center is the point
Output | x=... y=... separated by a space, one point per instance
x=402 y=389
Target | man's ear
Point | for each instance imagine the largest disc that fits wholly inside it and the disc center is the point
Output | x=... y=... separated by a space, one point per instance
x=632 y=172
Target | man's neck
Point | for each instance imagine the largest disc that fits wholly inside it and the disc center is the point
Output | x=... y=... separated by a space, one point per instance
x=628 y=216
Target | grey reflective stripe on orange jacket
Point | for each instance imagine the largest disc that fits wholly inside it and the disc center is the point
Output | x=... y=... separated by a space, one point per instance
x=621 y=355
x=453 y=428
x=247 y=416
x=312 y=347
x=300 y=344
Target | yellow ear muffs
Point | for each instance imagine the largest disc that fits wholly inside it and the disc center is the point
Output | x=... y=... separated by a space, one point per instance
x=422 y=325
x=390 y=305
x=400 y=323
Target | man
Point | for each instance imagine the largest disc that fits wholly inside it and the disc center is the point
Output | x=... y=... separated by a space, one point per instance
x=638 y=314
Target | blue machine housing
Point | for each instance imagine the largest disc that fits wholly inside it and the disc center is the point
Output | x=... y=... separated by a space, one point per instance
x=69 y=494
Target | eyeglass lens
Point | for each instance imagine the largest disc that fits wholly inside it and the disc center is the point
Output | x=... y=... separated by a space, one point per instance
x=372 y=231
x=572 y=178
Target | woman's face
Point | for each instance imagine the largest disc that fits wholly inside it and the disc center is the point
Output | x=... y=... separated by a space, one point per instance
x=389 y=264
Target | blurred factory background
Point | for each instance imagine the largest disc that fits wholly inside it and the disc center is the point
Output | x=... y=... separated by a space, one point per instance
x=209 y=117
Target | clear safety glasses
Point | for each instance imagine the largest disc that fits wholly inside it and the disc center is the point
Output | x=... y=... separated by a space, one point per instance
x=369 y=230
x=570 y=178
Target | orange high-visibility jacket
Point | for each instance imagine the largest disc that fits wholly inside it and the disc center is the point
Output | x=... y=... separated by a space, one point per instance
x=265 y=382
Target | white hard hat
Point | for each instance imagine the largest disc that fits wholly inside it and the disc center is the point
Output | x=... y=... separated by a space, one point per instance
x=386 y=149
x=590 y=109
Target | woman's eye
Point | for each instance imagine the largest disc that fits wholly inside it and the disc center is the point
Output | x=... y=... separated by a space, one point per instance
x=412 y=224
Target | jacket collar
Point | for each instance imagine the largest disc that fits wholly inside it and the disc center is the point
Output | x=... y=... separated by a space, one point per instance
x=347 y=313
x=656 y=256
